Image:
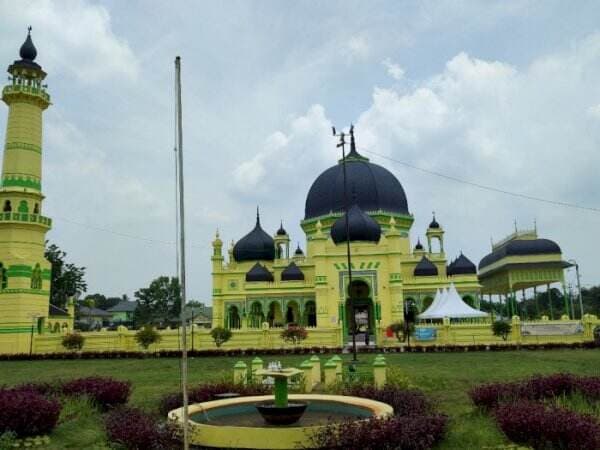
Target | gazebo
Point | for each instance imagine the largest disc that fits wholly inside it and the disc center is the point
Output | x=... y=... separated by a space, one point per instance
x=447 y=303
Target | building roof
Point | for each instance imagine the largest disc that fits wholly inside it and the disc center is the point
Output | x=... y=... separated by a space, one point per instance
x=56 y=311
x=298 y=251
x=124 y=306
x=520 y=247
x=292 y=273
x=259 y=272
x=425 y=268
x=419 y=246
x=376 y=188
x=28 y=50
x=281 y=231
x=434 y=223
x=361 y=226
x=462 y=266
x=93 y=312
x=255 y=246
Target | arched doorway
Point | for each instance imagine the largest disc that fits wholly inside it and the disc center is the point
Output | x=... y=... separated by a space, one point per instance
x=363 y=320
x=233 y=317
x=274 y=317
x=292 y=313
x=256 y=315
x=310 y=314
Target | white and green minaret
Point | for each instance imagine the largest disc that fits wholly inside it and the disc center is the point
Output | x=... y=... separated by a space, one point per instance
x=25 y=273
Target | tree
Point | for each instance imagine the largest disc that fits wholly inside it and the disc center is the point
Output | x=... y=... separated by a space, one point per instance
x=66 y=280
x=398 y=329
x=102 y=302
x=220 y=335
x=147 y=336
x=159 y=303
x=501 y=328
x=73 y=341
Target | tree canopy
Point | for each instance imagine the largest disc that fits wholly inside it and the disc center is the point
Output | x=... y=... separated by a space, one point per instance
x=159 y=303
x=67 y=279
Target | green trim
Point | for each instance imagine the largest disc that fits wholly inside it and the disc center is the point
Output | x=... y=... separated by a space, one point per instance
x=21 y=181
x=23 y=146
x=14 y=330
x=29 y=90
x=46 y=274
x=22 y=217
x=21 y=242
x=25 y=291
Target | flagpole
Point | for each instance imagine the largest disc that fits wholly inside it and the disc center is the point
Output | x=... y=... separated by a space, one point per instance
x=184 y=366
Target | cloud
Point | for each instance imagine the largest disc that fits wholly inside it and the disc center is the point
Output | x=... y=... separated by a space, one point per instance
x=394 y=70
x=73 y=36
x=357 y=48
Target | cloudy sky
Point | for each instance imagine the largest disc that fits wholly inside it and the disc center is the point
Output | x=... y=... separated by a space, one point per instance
x=504 y=94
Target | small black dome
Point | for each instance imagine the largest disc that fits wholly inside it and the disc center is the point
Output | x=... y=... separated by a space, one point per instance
x=28 y=50
x=292 y=273
x=425 y=268
x=362 y=227
x=259 y=273
x=419 y=246
x=521 y=247
x=299 y=251
x=256 y=245
x=462 y=266
x=434 y=223
x=281 y=231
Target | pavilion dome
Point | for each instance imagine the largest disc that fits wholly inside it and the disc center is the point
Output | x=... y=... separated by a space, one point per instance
x=521 y=247
x=255 y=246
x=362 y=227
x=299 y=251
x=281 y=231
x=374 y=188
x=425 y=268
x=28 y=51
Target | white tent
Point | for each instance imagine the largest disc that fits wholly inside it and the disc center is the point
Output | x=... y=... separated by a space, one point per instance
x=449 y=304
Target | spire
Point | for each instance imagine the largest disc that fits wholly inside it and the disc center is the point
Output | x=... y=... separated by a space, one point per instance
x=28 y=50
x=353 y=152
x=257 y=217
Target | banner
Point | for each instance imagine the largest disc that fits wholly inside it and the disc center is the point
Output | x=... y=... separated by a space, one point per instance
x=425 y=334
x=551 y=329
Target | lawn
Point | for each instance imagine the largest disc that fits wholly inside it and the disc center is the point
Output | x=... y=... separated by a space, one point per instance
x=444 y=377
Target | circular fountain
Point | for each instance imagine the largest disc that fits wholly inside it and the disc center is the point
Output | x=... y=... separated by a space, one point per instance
x=278 y=421
x=236 y=422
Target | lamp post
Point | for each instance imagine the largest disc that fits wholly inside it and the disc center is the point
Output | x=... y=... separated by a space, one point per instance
x=574 y=263
x=342 y=144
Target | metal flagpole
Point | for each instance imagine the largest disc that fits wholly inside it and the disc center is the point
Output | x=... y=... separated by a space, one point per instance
x=184 y=367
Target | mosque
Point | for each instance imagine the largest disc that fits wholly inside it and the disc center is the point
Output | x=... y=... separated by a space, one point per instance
x=264 y=285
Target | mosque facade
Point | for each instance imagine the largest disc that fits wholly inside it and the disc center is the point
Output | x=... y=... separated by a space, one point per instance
x=265 y=284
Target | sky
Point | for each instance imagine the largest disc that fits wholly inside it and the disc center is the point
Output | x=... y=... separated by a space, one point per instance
x=504 y=94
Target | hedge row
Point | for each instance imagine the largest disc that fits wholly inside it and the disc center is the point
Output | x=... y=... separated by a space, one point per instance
x=294 y=351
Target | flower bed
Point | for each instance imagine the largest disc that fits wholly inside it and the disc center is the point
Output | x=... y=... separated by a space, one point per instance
x=527 y=414
x=135 y=430
x=104 y=392
x=26 y=412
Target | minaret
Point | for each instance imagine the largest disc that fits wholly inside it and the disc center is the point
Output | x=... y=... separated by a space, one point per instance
x=24 y=294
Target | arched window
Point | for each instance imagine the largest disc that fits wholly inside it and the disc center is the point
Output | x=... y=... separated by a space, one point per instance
x=7 y=206
x=256 y=315
x=36 y=208
x=291 y=312
x=274 y=317
x=3 y=276
x=23 y=207
x=56 y=327
x=310 y=313
x=233 y=318
x=36 y=277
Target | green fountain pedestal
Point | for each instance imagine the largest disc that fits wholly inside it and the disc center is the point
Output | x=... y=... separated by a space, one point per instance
x=280 y=411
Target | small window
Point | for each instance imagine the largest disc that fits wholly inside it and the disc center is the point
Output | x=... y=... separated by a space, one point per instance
x=36 y=209
x=7 y=206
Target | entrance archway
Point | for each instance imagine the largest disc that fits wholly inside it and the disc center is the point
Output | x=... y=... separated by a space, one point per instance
x=364 y=317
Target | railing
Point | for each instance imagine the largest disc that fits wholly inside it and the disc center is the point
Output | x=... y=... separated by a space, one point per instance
x=14 y=88
x=25 y=217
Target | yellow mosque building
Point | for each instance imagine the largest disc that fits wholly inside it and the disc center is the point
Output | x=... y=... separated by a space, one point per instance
x=263 y=285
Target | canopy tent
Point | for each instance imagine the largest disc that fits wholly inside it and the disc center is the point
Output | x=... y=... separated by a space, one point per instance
x=448 y=303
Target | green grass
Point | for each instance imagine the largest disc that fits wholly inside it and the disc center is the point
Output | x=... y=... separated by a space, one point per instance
x=444 y=377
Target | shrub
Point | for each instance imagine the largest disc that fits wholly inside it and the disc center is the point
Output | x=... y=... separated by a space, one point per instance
x=397 y=433
x=501 y=328
x=27 y=413
x=540 y=427
x=220 y=335
x=597 y=334
x=294 y=334
x=207 y=392
x=398 y=329
x=147 y=336
x=104 y=392
x=405 y=402
x=136 y=430
x=73 y=341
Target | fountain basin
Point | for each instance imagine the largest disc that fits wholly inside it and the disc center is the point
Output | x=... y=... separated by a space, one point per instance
x=235 y=423
x=281 y=415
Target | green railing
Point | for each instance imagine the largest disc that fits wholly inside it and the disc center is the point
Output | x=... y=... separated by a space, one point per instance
x=25 y=217
x=14 y=88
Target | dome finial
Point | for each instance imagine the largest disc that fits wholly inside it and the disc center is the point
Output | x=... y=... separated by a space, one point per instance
x=353 y=151
x=257 y=216
x=27 y=50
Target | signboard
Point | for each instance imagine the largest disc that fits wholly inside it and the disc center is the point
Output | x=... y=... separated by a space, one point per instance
x=551 y=329
x=425 y=334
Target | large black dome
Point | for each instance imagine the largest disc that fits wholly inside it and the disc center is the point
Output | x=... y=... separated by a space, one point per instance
x=255 y=246
x=362 y=227
x=370 y=186
x=521 y=247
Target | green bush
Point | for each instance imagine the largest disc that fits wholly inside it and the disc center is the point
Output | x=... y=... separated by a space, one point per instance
x=501 y=328
x=294 y=334
x=398 y=329
x=147 y=336
x=220 y=335
x=73 y=341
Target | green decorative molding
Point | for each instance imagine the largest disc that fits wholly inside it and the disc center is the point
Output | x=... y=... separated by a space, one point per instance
x=21 y=181
x=395 y=277
x=15 y=330
x=24 y=291
x=19 y=270
x=30 y=90
x=321 y=279
x=23 y=146
x=22 y=217
x=46 y=274
x=216 y=291
x=363 y=265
